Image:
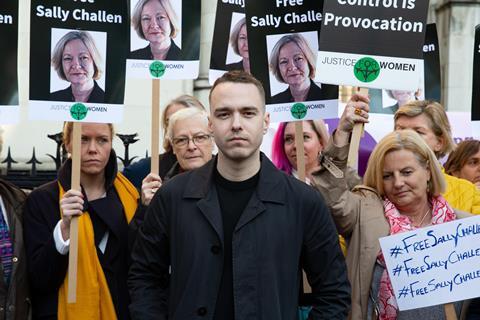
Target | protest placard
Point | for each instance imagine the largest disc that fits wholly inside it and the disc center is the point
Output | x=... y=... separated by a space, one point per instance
x=434 y=265
x=9 y=110
x=283 y=38
x=164 y=39
x=429 y=85
x=373 y=44
x=230 y=40
x=476 y=77
x=76 y=48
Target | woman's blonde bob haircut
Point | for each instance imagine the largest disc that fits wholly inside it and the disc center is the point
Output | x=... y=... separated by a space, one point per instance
x=137 y=17
x=404 y=140
x=301 y=42
x=235 y=34
x=86 y=38
x=438 y=119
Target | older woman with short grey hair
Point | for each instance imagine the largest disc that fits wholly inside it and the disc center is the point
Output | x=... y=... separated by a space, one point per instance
x=192 y=145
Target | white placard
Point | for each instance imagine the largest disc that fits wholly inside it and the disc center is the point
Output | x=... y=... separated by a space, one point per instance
x=389 y=72
x=434 y=265
x=173 y=69
x=311 y=110
x=59 y=110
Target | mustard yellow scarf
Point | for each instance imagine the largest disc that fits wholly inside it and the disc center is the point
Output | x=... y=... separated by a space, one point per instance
x=93 y=296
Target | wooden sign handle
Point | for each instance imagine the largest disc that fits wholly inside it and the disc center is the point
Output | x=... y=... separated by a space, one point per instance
x=73 y=251
x=450 y=313
x=155 y=126
x=357 y=134
x=300 y=150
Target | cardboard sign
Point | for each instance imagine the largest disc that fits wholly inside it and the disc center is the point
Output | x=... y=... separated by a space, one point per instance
x=76 y=48
x=9 y=110
x=388 y=101
x=434 y=265
x=164 y=39
x=372 y=44
x=283 y=38
x=230 y=40
x=476 y=77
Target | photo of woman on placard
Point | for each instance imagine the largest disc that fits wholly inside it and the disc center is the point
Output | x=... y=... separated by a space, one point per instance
x=292 y=61
x=388 y=101
x=239 y=44
x=156 y=22
x=77 y=60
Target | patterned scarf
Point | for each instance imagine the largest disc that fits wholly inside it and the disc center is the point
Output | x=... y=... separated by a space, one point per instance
x=441 y=212
x=6 y=248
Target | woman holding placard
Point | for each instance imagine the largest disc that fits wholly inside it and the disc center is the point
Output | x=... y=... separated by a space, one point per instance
x=292 y=61
x=137 y=171
x=239 y=43
x=156 y=22
x=105 y=207
x=401 y=192
x=77 y=60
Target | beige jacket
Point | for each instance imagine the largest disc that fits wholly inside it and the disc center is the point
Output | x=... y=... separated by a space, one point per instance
x=359 y=217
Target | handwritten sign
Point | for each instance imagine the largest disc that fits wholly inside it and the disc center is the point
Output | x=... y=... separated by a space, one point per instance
x=434 y=265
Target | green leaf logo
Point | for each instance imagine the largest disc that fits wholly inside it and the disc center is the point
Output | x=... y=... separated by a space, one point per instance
x=298 y=110
x=366 y=69
x=157 y=69
x=78 y=111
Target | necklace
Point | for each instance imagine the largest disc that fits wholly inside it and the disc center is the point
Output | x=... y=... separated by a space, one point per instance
x=423 y=219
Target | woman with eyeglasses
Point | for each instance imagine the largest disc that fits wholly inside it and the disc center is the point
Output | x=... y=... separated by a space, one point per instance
x=137 y=171
x=191 y=143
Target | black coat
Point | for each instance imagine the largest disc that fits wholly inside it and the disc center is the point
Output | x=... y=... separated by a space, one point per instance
x=284 y=227
x=47 y=267
x=326 y=92
x=14 y=298
x=96 y=96
x=174 y=53
x=137 y=171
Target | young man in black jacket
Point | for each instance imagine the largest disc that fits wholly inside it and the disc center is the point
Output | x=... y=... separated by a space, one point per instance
x=229 y=240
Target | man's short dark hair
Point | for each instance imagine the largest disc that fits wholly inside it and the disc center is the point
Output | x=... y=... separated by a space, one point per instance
x=239 y=76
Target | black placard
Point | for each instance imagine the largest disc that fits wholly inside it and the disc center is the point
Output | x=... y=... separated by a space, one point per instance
x=476 y=77
x=383 y=101
x=176 y=59
x=392 y=39
x=431 y=58
x=223 y=57
x=105 y=20
x=8 y=52
x=268 y=23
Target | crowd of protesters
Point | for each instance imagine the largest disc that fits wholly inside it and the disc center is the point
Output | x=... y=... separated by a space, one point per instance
x=222 y=232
